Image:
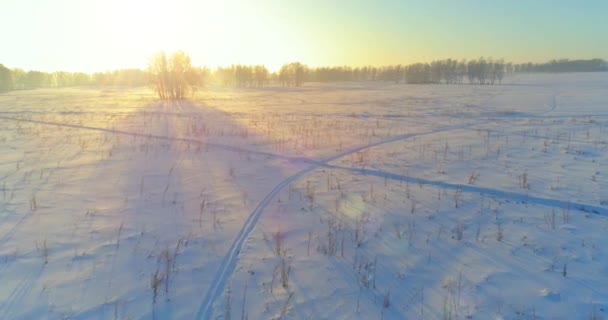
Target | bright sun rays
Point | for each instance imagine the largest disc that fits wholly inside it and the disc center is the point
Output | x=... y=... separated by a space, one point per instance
x=215 y=33
x=96 y=36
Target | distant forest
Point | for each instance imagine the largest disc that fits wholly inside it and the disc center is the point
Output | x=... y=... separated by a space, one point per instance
x=480 y=71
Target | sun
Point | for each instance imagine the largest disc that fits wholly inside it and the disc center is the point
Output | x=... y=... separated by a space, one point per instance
x=213 y=33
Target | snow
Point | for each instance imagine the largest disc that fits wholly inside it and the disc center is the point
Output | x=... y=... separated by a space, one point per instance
x=360 y=200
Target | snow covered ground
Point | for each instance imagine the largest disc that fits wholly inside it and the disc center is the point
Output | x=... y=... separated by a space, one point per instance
x=332 y=201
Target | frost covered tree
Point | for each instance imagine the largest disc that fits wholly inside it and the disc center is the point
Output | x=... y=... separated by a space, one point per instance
x=173 y=77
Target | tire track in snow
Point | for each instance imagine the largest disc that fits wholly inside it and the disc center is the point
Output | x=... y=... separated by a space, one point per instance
x=156 y=137
x=497 y=193
x=23 y=288
x=225 y=147
x=228 y=264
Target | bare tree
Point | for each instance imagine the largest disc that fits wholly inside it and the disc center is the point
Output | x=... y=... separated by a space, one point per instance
x=174 y=77
x=260 y=75
x=293 y=74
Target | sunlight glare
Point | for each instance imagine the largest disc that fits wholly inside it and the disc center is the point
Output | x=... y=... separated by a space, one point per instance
x=223 y=31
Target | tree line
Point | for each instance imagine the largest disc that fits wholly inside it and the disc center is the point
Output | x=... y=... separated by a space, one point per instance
x=18 y=79
x=242 y=76
x=563 y=65
x=173 y=76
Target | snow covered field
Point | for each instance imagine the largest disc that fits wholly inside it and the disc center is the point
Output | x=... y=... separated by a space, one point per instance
x=360 y=200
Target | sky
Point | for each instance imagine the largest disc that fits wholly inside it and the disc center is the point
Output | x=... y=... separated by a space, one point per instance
x=91 y=36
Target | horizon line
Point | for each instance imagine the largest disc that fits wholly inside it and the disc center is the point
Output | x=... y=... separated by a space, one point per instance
x=214 y=68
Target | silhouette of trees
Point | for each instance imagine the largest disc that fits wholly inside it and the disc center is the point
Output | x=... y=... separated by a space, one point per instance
x=477 y=71
x=121 y=77
x=242 y=76
x=330 y=74
x=61 y=79
x=18 y=78
x=293 y=74
x=341 y=73
x=484 y=71
x=498 y=71
x=563 y=65
x=6 y=79
x=449 y=71
x=200 y=76
x=173 y=77
x=30 y=79
x=260 y=76
x=393 y=73
x=418 y=73
x=461 y=71
x=225 y=76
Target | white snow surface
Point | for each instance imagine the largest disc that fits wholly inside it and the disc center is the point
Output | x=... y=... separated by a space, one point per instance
x=362 y=200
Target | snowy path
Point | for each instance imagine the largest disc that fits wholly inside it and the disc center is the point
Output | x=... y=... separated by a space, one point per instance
x=497 y=193
x=229 y=262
